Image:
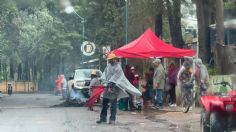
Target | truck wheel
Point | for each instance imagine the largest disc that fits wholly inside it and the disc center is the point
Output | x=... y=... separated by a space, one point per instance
x=215 y=125
x=203 y=121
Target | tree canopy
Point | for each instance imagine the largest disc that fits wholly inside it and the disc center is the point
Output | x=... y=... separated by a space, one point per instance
x=38 y=39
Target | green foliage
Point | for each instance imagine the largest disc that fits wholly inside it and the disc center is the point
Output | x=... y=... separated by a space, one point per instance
x=229 y=5
x=213 y=70
x=36 y=35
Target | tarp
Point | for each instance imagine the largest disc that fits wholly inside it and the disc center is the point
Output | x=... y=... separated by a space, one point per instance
x=148 y=45
x=96 y=92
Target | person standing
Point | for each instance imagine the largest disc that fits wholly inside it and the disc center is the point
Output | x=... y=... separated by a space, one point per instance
x=148 y=93
x=94 y=79
x=152 y=91
x=96 y=90
x=58 y=85
x=159 y=82
x=64 y=87
x=135 y=81
x=172 y=81
x=202 y=77
x=111 y=92
x=117 y=86
x=128 y=73
x=128 y=102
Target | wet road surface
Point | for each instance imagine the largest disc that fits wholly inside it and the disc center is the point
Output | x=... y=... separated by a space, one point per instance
x=34 y=113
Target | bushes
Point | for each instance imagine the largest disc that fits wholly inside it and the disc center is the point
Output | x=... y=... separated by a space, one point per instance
x=213 y=70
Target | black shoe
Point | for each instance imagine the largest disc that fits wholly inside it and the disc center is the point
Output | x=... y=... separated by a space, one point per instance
x=100 y=121
x=112 y=122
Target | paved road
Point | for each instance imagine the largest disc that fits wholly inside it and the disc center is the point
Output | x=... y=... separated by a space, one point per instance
x=33 y=113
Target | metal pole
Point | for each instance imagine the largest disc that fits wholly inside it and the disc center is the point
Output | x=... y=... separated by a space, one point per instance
x=83 y=28
x=82 y=21
x=82 y=57
x=126 y=26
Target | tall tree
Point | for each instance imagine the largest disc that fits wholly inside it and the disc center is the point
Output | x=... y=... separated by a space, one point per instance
x=159 y=18
x=204 y=17
x=174 y=16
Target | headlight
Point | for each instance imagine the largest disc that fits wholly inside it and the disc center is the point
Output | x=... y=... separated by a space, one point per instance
x=80 y=83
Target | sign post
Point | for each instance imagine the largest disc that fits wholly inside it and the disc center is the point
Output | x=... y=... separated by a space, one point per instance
x=88 y=48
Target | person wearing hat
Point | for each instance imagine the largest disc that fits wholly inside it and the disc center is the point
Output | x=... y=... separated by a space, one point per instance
x=159 y=82
x=96 y=90
x=111 y=92
x=117 y=87
x=94 y=79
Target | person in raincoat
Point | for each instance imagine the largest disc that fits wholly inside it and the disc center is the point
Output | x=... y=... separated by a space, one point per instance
x=201 y=76
x=117 y=85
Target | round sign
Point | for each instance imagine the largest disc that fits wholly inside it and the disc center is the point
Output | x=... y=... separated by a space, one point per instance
x=88 y=48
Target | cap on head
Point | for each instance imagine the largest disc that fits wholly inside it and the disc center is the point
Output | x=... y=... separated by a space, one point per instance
x=132 y=68
x=186 y=64
x=111 y=56
x=93 y=72
x=156 y=61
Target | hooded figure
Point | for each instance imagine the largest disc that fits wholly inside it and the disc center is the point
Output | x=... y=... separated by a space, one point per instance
x=117 y=85
x=202 y=77
x=113 y=73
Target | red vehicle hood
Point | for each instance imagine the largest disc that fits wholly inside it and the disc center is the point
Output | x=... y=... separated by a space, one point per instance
x=218 y=103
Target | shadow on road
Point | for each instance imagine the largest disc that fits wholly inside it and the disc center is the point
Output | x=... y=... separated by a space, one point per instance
x=67 y=104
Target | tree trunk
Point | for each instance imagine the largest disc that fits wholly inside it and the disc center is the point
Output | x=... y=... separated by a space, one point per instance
x=174 y=17
x=158 y=25
x=219 y=22
x=224 y=54
x=158 y=19
x=204 y=20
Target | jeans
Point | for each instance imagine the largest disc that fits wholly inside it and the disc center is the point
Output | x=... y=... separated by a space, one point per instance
x=103 y=115
x=152 y=93
x=131 y=102
x=64 y=93
x=172 y=94
x=159 y=97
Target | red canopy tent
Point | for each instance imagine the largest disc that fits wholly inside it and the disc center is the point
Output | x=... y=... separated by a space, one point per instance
x=148 y=45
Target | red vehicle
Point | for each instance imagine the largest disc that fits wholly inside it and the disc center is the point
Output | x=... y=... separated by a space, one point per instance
x=219 y=112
